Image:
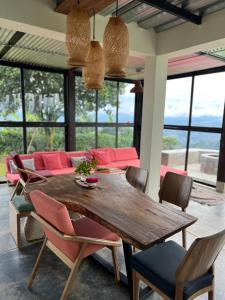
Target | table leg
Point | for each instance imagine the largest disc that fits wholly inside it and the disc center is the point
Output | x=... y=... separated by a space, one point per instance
x=127 y=250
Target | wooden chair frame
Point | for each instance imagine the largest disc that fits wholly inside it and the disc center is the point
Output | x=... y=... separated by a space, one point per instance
x=183 y=199
x=199 y=259
x=179 y=289
x=15 y=216
x=84 y=241
x=132 y=173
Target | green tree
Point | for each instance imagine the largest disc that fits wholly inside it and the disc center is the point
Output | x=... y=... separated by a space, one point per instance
x=169 y=143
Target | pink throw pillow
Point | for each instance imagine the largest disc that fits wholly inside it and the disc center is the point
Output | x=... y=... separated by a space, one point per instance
x=101 y=156
x=52 y=161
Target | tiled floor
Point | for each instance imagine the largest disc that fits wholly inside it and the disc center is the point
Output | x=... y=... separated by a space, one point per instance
x=93 y=281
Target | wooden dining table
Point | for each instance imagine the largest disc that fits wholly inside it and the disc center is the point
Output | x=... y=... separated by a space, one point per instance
x=118 y=206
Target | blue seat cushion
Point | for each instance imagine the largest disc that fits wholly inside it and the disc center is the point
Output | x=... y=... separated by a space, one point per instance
x=159 y=264
x=21 y=204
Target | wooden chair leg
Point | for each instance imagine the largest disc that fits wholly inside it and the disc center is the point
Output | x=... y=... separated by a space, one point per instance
x=211 y=295
x=184 y=238
x=115 y=264
x=73 y=274
x=15 y=227
x=36 y=266
x=135 y=286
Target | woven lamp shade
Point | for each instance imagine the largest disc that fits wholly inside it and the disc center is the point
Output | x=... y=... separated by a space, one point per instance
x=78 y=36
x=94 y=71
x=116 y=47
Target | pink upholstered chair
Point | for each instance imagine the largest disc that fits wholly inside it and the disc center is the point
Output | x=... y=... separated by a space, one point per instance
x=71 y=241
x=27 y=176
x=18 y=206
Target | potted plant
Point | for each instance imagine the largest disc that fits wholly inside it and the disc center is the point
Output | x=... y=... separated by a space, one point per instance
x=86 y=166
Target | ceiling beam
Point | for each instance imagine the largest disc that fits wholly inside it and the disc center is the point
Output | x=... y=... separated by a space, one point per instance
x=14 y=39
x=63 y=6
x=174 y=10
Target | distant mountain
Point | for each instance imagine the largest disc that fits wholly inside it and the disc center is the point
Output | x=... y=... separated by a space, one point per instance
x=203 y=121
x=198 y=139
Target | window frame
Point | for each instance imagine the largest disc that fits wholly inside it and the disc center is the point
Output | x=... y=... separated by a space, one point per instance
x=191 y=128
x=97 y=124
x=69 y=123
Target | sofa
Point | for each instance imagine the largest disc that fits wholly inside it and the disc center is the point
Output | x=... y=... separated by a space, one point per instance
x=60 y=162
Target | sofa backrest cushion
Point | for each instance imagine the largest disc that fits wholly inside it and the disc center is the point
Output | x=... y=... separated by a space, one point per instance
x=52 y=161
x=39 y=163
x=102 y=156
x=74 y=154
x=123 y=154
x=77 y=160
x=22 y=156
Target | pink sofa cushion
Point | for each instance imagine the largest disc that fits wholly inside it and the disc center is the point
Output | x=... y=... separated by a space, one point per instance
x=102 y=156
x=22 y=156
x=62 y=171
x=52 y=161
x=39 y=163
x=129 y=153
x=164 y=169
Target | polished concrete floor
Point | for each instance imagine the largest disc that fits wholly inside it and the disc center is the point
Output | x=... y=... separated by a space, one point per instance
x=93 y=281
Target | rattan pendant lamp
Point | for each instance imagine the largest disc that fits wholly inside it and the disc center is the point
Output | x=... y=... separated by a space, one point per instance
x=94 y=71
x=78 y=35
x=116 y=46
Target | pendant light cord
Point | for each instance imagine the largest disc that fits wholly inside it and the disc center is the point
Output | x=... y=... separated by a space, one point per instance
x=93 y=24
x=117 y=6
x=78 y=2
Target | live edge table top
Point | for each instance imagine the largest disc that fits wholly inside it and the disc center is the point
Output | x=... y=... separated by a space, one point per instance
x=114 y=203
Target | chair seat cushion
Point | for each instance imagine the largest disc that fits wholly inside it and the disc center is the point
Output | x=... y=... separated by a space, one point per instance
x=159 y=264
x=89 y=228
x=22 y=204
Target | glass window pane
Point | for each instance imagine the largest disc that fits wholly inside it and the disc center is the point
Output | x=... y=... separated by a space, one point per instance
x=10 y=94
x=203 y=156
x=125 y=136
x=44 y=96
x=85 y=138
x=45 y=139
x=85 y=102
x=178 y=97
x=106 y=136
x=126 y=103
x=208 y=100
x=10 y=139
x=174 y=148
x=107 y=102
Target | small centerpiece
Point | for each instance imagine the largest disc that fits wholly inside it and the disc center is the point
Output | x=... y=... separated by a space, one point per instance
x=91 y=181
x=86 y=166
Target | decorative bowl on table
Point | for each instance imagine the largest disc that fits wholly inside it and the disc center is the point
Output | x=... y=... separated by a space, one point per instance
x=92 y=181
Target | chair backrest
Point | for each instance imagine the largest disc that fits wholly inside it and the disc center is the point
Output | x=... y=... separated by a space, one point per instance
x=137 y=177
x=200 y=257
x=176 y=189
x=56 y=214
x=19 y=164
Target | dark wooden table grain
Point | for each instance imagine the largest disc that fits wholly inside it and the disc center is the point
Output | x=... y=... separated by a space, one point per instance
x=114 y=203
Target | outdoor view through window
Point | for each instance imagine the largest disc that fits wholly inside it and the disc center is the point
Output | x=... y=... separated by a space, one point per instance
x=32 y=113
x=191 y=137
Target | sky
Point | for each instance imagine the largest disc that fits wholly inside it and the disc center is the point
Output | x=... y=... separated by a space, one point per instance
x=209 y=96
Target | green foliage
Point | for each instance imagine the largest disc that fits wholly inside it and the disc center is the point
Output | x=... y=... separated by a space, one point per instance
x=169 y=143
x=85 y=138
x=106 y=137
x=85 y=167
